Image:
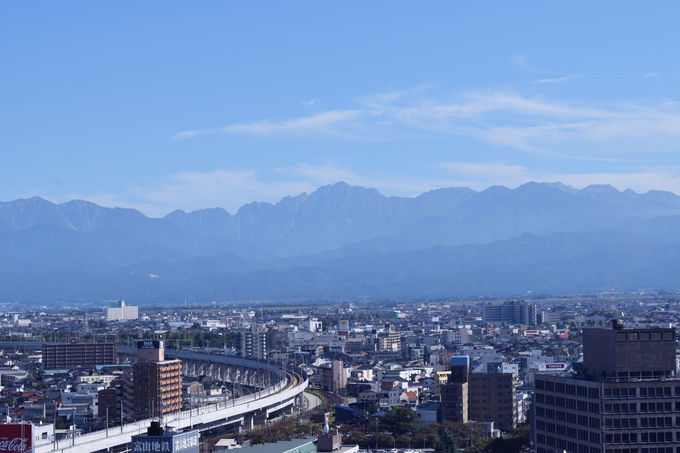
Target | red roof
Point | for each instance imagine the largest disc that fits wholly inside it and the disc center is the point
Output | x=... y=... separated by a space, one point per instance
x=30 y=394
x=411 y=396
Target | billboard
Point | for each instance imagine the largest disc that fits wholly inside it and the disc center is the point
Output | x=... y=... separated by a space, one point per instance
x=555 y=366
x=169 y=443
x=150 y=344
x=343 y=325
x=186 y=443
x=16 y=438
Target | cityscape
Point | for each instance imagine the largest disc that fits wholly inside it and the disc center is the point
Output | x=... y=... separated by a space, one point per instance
x=339 y=226
x=577 y=374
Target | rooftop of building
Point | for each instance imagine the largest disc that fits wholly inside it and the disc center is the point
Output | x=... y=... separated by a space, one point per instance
x=307 y=445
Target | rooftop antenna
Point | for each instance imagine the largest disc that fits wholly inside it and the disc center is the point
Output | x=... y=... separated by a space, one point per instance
x=614 y=306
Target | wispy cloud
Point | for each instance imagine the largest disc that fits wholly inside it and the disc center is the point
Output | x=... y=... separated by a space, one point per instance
x=313 y=102
x=651 y=75
x=183 y=135
x=557 y=79
x=327 y=123
x=535 y=124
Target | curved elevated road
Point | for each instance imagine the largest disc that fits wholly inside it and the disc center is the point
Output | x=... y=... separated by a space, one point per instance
x=260 y=404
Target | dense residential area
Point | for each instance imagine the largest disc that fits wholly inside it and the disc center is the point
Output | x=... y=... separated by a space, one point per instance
x=417 y=375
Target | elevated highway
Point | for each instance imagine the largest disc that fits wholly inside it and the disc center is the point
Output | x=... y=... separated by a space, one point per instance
x=278 y=392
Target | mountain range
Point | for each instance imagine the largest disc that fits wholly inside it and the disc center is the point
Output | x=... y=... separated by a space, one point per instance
x=345 y=242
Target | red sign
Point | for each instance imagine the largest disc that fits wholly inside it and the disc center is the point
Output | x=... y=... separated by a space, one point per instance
x=554 y=366
x=15 y=438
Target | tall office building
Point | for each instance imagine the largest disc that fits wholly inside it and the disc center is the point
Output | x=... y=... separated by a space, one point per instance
x=510 y=311
x=252 y=343
x=492 y=397
x=454 y=394
x=156 y=382
x=626 y=399
x=69 y=356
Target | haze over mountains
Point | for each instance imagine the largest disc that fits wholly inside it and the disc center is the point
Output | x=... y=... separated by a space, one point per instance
x=342 y=242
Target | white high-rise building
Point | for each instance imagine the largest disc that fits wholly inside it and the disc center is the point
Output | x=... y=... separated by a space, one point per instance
x=122 y=313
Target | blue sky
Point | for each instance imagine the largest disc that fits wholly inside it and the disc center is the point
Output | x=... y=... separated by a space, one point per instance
x=166 y=105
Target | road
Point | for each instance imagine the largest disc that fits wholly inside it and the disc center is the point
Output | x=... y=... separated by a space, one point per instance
x=311 y=401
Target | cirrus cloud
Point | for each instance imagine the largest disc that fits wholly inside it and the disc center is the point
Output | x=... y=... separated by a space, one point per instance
x=534 y=124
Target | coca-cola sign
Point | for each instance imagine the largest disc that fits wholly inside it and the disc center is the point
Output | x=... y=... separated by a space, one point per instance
x=15 y=438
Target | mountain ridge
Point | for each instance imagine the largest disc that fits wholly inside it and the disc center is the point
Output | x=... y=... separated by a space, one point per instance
x=94 y=249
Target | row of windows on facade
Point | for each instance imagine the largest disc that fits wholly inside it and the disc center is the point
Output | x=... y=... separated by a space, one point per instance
x=498 y=400
x=568 y=389
x=574 y=419
x=622 y=438
x=644 y=422
x=609 y=408
x=644 y=392
x=609 y=393
x=659 y=406
x=650 y=437
x=617 y=437
x=586 y=436
x=645 y=450
x=569 y=403
x=563 y=445
x=572 y=447
x=485 y=392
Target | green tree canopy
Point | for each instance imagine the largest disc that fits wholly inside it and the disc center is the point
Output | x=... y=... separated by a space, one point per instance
x=447 y=443
x=400 y=420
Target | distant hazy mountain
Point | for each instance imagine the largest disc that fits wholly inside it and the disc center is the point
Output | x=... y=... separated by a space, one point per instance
x=342 y=241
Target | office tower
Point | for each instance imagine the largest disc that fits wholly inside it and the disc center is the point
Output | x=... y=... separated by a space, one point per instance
x=252 y=344
x=454 y=394
x=156 y=382
x=68 y=356
x=626 y=399
x=510 y=311
x=492 y=396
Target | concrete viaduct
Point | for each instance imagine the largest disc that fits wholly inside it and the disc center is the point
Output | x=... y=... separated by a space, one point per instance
x=276 y=392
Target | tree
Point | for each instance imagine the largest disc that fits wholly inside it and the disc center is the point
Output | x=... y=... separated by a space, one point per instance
x=447 y=443
x=518 y=440
x=400 y=420
x=404 y=441
x=384 y=440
